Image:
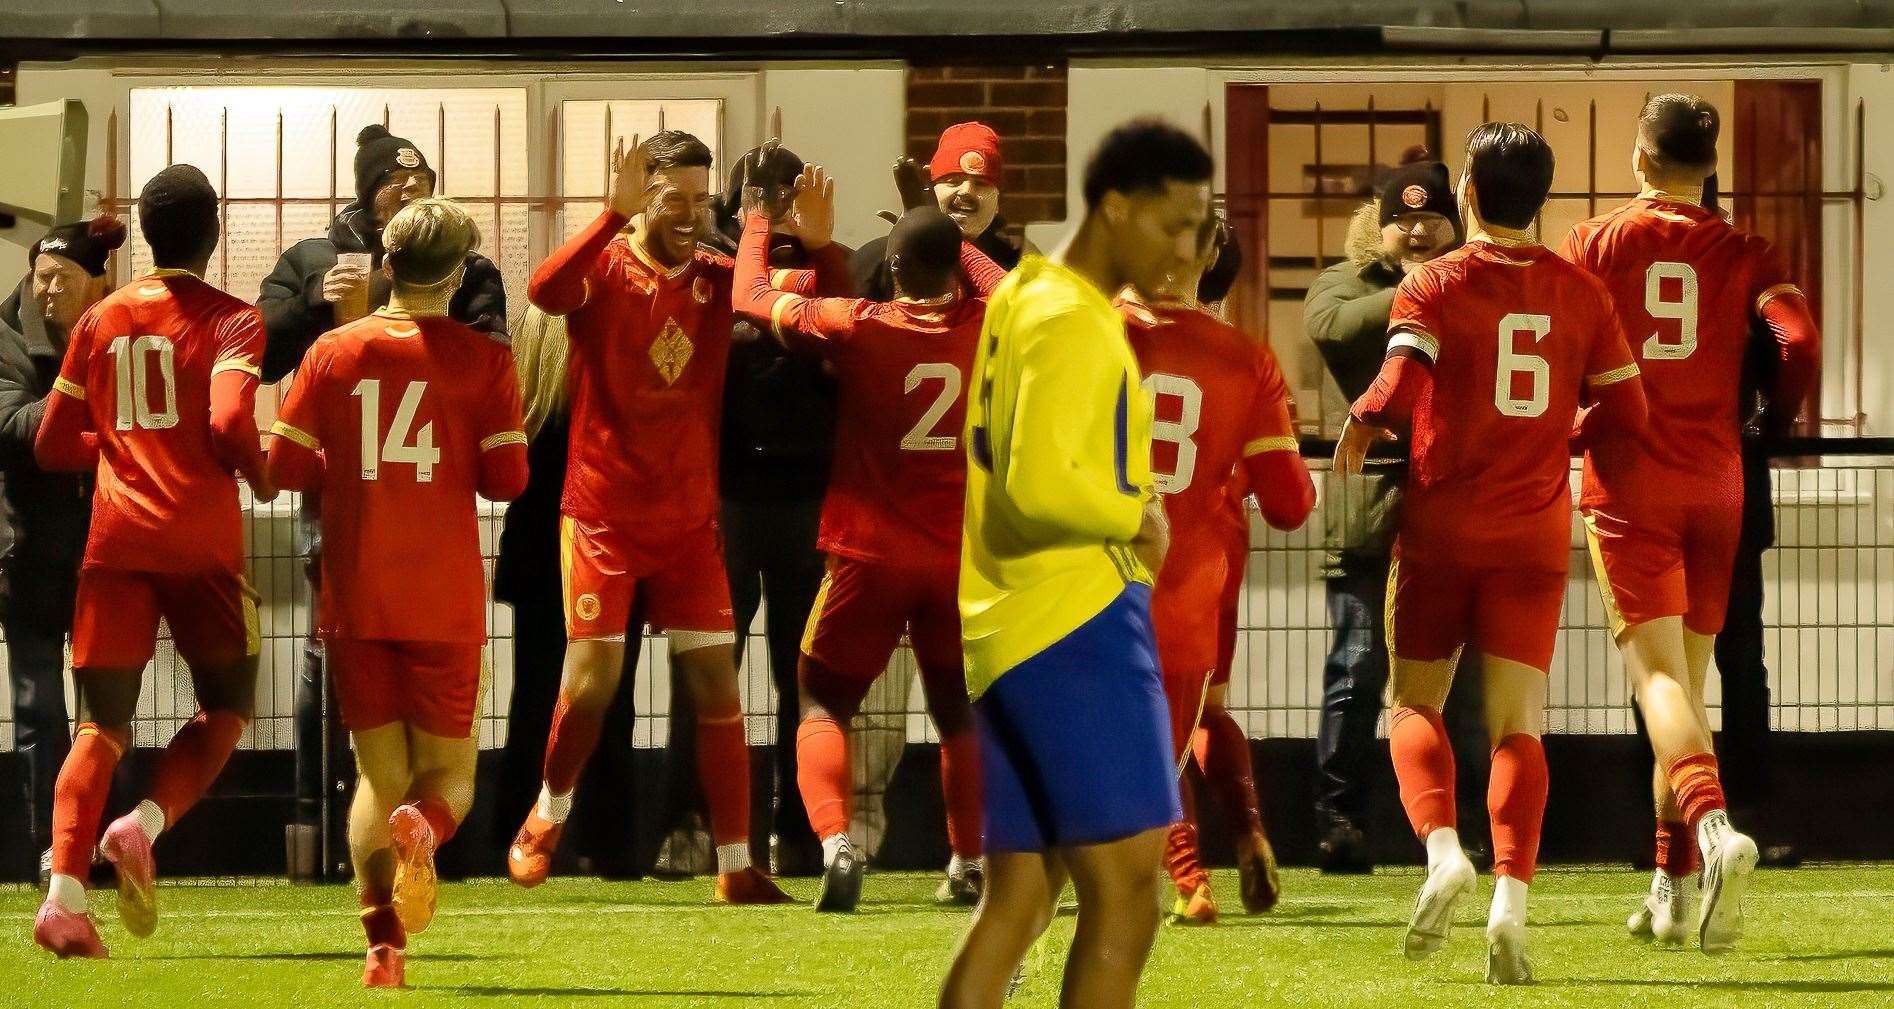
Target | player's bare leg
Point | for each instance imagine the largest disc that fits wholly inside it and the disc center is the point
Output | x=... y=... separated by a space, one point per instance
x=107 y=699
x=1117 y=923
x=383 y=775
x=959 y=786
x=1423 y=765
x=226 y=697
x=1022 y=891
x=1515 y=800
x=592 y=671
x=1666 y=664
x=438 y=797
x=823 y=779
x=1228 y=771
x=706 y=662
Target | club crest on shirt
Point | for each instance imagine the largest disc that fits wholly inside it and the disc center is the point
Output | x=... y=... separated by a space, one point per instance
x=586 y=606
x=1414 y=197
x=700 y=289
x=408 y=157
x=671 y=351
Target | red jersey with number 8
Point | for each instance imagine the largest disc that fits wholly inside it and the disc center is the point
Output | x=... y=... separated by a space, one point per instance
x=1513 y=334
x=1688 y=286
x=143 y=361
x=402 y=410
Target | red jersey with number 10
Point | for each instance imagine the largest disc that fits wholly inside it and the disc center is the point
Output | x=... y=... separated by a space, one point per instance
x=402 y=410
x=1513 y=334
x=143 y=361
x=1688 y=286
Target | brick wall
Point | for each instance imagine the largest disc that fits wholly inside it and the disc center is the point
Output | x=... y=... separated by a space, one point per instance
x=1024 y=103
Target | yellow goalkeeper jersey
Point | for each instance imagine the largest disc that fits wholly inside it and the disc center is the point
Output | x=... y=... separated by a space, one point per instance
x=1058 y=468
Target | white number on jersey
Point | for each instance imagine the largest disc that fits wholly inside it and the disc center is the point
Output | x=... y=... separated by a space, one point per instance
x=1513 y=362
x=1684 y=310
x=1178 y=432
x=131 y=367
x=421 y=453
x=922 y=437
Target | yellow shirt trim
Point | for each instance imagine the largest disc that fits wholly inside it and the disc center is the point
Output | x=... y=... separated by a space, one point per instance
x=1273 y=443
x=73 y=389
x=1614 y=376
x=494 y=441
x=776 y=313
x=283 y=429
x=1778 y=291
x=237 y=364
x=1413 y=336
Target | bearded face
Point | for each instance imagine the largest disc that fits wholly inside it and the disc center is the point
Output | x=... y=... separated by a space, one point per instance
x=674 y=219
x=400 y=188
x=971 y=201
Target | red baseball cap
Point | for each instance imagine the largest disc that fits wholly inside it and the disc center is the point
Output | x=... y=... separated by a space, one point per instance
x=967 y=149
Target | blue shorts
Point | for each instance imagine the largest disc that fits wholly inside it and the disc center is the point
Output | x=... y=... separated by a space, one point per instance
x=1075 y=741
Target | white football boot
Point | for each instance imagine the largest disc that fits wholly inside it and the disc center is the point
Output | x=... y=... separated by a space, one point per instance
x=1506 y=934
x=1728 y=860
x=1451 y=879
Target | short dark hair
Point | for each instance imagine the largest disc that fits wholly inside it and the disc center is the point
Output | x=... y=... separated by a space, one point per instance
x=1216 y=282
x=926 y=245
x=1141 y=156
x=177 y=214
x=676 y=149
x=1678 y=132
x=1511 y=168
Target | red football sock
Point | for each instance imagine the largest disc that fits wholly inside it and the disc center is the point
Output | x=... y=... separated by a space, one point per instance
x=1515 y=800
x=822 y=775
x=960 y=786
x=723 y=768
x=1676 y=849
x=1697 y=784
x=574 y=736
x=79 y=797
x=193 y=760
x=381 y=924
x=1181 y=857
x=1224 y=754
x=1423 y=764
x=439 y=818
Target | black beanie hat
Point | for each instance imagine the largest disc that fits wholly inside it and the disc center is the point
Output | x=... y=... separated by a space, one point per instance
x=1419 y=185
x=87 y=243
x=177 y=212
x=378 y=154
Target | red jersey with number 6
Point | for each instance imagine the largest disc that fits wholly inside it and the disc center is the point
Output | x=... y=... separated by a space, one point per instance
x=1513 y=334
x=144 y=361
x=404 y=411
x=1688 y=287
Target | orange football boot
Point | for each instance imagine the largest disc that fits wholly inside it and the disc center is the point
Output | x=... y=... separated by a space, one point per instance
x=749 y=886
x=1256 y=867
x=529 y=860
x=417 y=887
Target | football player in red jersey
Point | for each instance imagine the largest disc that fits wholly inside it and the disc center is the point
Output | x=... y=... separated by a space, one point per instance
x=1222 y=410
x=891 y=521
x=649 y=318
x=399 y=419
x=158 y=391
x=1491 y=349
x=1664 y=512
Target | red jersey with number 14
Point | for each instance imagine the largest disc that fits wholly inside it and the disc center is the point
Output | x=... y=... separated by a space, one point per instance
x=402 y=410
x=143 y=360
x=1513 y=334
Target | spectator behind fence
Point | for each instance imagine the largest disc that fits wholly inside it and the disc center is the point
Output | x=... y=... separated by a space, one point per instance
x=46 y=514
x=314 y=289
x=1346 y=315
x=526 y=577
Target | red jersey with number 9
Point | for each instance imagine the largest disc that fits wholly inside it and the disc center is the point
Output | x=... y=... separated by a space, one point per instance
x=898 y=489
x=1688 y=286
x=1514 y=333
x=142 y=360
x=402 y=410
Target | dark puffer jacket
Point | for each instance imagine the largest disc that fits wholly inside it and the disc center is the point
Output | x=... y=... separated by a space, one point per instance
x=46 y=514
x=294 y=313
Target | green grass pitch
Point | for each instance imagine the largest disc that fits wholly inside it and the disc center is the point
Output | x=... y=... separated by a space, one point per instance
x=1817 y=937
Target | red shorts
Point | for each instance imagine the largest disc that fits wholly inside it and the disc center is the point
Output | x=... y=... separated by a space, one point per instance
x=1435 y=609
x=212 y=615
x=859 y=616
x=433 y=686
x=1185 y=694
x=683 y=588
x=1676 y=562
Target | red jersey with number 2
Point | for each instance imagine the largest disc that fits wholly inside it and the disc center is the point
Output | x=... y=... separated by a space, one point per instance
x=1514 y=334
x=143 y=361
